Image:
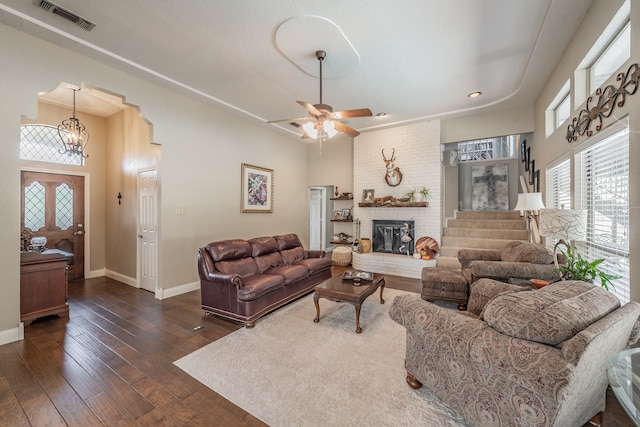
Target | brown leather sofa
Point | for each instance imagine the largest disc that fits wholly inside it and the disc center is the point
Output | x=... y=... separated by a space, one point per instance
x=246 y=279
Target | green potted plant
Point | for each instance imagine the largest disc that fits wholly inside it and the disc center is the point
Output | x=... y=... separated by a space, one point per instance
x=408 y=194
x=424 y=192
x=578 y=268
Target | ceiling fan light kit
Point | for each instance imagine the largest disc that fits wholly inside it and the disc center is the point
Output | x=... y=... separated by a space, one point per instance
x=323 y=122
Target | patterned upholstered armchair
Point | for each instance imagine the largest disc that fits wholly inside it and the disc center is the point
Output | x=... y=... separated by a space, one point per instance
x=517 y=358
x=517 y=260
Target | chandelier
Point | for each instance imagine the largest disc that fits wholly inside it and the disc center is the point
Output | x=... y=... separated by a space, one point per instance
x=73 y=134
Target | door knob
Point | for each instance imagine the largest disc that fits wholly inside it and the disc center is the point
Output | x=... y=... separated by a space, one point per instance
x=79 y=232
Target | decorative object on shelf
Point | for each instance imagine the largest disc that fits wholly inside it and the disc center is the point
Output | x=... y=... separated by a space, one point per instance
x=609 y=98
x=256 y=189
x=408 y=196
x=427 y=246
x=529 y=203
x=336 y=192
x=563 y=225
x=72 y=132
x=393 y=177
x=368 y=195
x=424 y=194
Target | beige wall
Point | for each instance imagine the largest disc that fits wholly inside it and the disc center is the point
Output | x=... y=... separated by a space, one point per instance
x=202 y=151
x=129 y=150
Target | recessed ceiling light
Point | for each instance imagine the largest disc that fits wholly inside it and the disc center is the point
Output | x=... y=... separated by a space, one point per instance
x=381 y=114
x=474 y=94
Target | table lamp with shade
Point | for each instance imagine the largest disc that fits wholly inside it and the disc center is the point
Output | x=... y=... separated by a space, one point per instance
x=529 y=203
x=564 y=225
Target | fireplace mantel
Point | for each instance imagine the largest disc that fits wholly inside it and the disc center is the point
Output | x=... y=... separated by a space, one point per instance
x=394 y=205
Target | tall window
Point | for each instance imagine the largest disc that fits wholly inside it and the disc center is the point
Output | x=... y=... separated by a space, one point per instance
x=602 y=174
x=610 y=60
x=558 y=190
x=42 y=144
x=562 y=111
x=558 y=194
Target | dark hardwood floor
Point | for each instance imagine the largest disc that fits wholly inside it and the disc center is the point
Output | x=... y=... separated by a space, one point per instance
x=111 y=363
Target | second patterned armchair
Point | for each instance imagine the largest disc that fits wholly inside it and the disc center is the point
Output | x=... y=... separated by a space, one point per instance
x=517 y=260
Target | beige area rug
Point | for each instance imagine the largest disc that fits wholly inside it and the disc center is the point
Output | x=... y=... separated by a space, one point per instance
x=290 y=371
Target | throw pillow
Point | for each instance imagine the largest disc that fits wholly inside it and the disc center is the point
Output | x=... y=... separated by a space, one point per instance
x=526 y=252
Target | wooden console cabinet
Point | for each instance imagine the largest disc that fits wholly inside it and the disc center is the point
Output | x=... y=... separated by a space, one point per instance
x=43 y=286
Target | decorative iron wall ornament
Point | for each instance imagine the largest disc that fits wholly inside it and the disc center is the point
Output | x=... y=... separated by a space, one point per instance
x=608 y=99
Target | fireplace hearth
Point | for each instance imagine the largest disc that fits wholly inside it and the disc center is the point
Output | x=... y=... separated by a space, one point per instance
x=393 y=236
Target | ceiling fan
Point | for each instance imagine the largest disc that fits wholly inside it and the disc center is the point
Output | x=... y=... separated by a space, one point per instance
x=323 y=121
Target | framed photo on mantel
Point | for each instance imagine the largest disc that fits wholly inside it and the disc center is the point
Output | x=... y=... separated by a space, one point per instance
x=257 y=189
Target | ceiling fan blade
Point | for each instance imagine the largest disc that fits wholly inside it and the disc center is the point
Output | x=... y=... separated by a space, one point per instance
x=347 y=114
x=341 y=127
x=310 y=108
x=290 y=120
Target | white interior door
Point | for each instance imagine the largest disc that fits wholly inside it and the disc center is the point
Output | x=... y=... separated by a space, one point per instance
x=148 y=229
x=316 y=219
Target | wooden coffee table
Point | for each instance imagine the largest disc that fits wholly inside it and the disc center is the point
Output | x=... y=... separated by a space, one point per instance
x=339 y=290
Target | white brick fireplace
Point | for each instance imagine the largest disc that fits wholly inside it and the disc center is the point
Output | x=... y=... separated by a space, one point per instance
x=417 y=153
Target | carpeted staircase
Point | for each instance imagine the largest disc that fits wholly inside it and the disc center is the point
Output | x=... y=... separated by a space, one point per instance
x=482 y=230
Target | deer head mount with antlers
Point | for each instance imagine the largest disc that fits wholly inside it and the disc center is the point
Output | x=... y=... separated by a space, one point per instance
x=393 y=176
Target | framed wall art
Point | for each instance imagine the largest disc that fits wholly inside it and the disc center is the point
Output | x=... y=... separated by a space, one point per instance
x=257 y=189
x=368 y=195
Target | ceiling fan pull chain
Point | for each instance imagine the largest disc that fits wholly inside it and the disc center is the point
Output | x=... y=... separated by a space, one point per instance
x=320 y=55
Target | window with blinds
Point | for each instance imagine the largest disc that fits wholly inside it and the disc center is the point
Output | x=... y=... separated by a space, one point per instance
x=602 y=175
x=558 y=190
x=558 y=194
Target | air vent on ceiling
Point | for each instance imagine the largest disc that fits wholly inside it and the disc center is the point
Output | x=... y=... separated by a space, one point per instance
x=64 y=13
x=295 y=124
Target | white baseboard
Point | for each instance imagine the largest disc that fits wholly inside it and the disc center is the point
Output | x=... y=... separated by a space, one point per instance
x=11 y=335
x=178 y=290
x=131 y=281
x=94 y=273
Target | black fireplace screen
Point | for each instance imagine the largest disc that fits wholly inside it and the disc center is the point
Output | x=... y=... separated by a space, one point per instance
x=393 y=237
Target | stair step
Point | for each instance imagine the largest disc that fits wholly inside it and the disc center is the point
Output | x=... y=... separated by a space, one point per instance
x=486 y=233
x=494 y=215
x=507 y=224
x=464 y=242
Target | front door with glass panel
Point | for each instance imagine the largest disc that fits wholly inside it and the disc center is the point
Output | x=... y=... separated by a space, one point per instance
x=53 y=207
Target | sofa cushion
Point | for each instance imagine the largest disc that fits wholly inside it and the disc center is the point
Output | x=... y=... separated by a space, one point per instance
x=229 y=249
x=315 y=265
x=526 y=252
x=288 y=241
x=552 y=314
x=290 y=256
x=243 y=266
x=267 y=261
x=259 y=285
x=263 y=245
x=291 y=273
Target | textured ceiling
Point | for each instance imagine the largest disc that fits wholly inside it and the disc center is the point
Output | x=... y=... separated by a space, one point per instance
x=412 y=59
